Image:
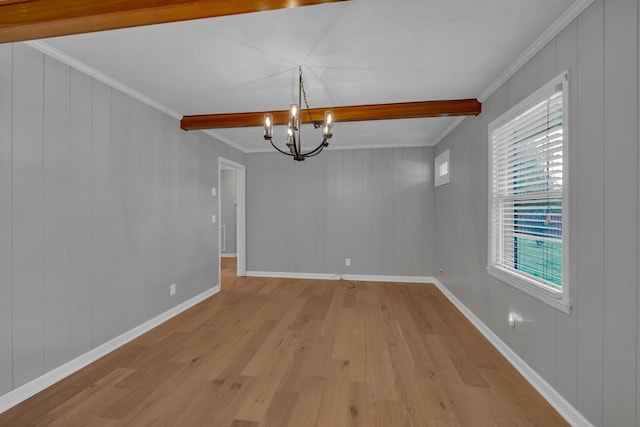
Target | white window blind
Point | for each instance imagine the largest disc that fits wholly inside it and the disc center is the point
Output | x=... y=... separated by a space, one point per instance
x=527 y=192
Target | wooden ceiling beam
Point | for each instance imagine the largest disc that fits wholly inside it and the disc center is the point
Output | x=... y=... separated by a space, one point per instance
x=22 y=20
x=404 y=110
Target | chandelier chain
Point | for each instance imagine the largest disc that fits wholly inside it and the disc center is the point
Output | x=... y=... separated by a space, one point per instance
x=304 y=95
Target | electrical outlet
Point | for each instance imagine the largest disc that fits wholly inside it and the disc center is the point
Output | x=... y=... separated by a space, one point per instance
x=172 y=289
x=514 y=319
x=347 y=262
x=440 y=270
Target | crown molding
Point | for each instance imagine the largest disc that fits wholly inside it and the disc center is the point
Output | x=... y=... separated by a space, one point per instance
x=81 y=66
x=550 y=33
x=565 y=19
x=385 y=145
x=336 y=147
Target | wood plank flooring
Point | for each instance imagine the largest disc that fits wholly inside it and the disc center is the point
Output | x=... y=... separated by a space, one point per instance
x=283 y=352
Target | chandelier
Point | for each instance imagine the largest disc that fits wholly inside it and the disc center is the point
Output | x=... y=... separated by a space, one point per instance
x=294 y=129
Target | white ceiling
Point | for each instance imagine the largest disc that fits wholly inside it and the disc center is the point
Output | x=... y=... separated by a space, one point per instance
x=355 y=52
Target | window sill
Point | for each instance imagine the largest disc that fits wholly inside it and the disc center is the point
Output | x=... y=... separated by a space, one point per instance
x=554 y=299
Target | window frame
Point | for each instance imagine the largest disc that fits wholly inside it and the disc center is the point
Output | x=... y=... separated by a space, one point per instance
x=557 y=299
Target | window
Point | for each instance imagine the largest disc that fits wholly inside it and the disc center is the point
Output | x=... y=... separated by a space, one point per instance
x=528 y=195
x=442 y=168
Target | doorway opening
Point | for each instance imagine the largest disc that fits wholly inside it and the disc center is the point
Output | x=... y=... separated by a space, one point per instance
x=232 y=216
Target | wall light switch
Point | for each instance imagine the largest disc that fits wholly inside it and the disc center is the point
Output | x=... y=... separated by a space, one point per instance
x=172 y=289
x=213 y=191
x=213 y=219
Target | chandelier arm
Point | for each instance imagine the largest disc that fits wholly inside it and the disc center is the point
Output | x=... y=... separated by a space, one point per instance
x=283 y=152
x=316 y=150
x=313 y=155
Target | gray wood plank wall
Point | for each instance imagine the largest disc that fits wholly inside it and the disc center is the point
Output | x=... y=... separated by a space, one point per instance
x=6 y=184
x=104 y=202
x=373 y=206
x=590 y=356
x=27 y=205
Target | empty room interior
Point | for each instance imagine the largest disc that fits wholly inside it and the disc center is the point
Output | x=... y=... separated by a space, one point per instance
x=319 y=213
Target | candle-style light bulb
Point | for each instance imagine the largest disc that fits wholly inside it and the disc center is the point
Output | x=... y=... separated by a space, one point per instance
x=293 y=116
x=327 y=129
x=289 y=136
x=268 y=126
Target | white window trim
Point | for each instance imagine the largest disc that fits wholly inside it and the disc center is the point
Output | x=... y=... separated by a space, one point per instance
x=557 y=299
x=441 y=159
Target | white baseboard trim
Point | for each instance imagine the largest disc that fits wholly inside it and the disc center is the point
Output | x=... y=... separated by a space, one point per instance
x=354 y=277
x=25 y=391
x=555 y=399
x=401 y=279
x=228 y=255
x=285 y=275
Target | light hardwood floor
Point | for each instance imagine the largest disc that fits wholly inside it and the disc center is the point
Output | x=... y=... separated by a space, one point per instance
x=282 y=352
